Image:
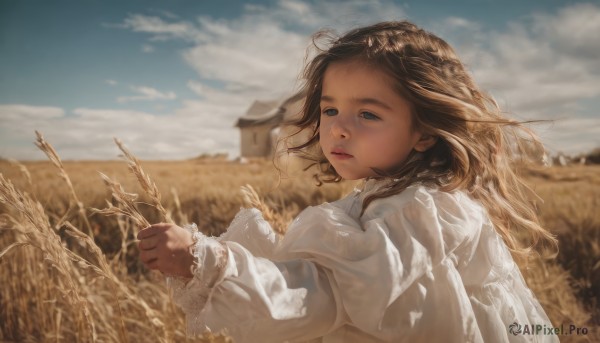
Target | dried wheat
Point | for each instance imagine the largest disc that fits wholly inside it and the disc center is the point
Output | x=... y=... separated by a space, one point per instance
x=147 y=184
x=252 y=199
x=43 y=145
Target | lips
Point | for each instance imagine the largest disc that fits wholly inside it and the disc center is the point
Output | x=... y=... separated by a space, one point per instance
x=340 y=153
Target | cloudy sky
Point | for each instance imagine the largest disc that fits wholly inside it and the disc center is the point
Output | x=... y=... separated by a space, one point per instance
x=169 y=78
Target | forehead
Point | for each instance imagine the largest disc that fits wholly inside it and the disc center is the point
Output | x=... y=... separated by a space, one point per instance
x=357 y=71
x=349 y=80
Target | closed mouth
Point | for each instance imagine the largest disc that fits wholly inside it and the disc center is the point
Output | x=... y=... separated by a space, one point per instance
x=340 y=153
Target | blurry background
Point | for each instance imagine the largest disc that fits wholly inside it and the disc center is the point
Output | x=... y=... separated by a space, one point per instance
x=172 y=78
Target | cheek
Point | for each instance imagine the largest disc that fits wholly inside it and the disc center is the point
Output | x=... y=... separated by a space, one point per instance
x=322 y=139
x=323 y=129
x=390 y=146
x=377 y=140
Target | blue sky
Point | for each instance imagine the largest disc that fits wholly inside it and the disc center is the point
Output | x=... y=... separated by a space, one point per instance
x=170 y=78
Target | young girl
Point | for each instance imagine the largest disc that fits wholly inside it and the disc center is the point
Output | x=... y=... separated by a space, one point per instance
x=420 y=253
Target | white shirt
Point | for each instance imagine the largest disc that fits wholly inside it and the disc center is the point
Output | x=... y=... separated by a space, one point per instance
x=420 y=266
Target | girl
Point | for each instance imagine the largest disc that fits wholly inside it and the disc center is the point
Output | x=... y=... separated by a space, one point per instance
x=420 y=253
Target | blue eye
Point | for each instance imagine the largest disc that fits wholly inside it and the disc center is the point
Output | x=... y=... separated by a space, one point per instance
x=330 y=112
x=369 y=116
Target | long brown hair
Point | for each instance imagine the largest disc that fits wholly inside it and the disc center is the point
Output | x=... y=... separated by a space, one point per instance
x=477 y=146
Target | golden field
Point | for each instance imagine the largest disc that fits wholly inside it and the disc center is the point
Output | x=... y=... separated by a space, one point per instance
x=59 y=284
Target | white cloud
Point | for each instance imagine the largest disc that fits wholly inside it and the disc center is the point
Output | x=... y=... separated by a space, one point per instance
x=256 y=58
x=297 y=7
x=259 y=54
x=25 y=112
x=542 y=68
x=147 y=94
x=165 y=13
x=111 y=82
x=461 y=23
x=215 y=102
x=147 y=48
x=573 y=31
x=88 y=133
x=161 y=29
x=341 y=15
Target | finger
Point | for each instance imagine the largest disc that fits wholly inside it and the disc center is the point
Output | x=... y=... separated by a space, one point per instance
x=148 y=243
x=152 y=230
x=147 y=256
x=152 y=264
x=145 y=233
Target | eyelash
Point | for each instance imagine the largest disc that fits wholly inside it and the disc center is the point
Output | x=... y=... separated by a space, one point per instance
x=364 y=114
x=373 y=117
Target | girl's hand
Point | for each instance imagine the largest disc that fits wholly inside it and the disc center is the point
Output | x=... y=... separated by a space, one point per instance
x=167 y=248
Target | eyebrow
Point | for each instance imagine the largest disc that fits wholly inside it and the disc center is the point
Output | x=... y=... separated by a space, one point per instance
x=364 y=101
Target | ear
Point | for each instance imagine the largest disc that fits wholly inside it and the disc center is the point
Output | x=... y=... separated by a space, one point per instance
x=425 y=142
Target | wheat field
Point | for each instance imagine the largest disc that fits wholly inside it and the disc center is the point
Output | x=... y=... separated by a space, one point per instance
x=71 y=273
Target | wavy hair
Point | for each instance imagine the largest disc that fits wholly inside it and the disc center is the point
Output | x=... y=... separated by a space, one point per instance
x=477 y=147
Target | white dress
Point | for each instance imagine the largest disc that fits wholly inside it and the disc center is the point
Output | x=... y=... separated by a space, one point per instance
x=419 y=266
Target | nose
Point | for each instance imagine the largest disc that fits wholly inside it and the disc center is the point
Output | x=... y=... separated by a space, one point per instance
x=340 y=128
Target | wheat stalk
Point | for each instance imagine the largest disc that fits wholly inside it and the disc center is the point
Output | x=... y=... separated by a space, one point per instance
x=45 y=239
x=251 y=199
x=41 y=236
x=182 y=217
x=43 y=145
x=147 y=184
x=23 y=170
x=125 y=200
x=105 y=270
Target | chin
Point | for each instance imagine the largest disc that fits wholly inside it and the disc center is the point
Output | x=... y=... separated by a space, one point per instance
x=348 y=175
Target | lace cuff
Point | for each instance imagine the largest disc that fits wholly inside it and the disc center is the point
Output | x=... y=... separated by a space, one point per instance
x=193 y=294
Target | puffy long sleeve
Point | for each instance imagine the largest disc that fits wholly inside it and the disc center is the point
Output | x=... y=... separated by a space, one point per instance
x=420 y=266
x=254 y=296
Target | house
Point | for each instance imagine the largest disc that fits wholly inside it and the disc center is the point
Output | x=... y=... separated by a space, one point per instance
x=260 y=126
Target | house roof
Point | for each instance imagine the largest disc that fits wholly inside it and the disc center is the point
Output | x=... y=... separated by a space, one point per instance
x=271 y=112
